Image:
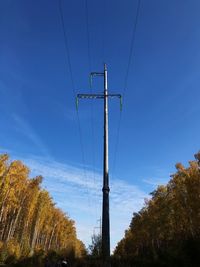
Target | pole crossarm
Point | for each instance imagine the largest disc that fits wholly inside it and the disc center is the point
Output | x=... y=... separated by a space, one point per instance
x=98 y=96
x=90 y=96
x=97 y=74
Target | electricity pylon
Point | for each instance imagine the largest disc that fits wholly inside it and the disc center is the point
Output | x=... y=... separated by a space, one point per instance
x=105 y=189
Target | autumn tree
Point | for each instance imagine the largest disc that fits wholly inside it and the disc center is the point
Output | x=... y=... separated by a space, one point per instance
x=29 y=219
x=167 y=228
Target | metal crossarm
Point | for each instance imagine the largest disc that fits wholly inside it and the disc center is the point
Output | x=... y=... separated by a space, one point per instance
x=114 y=95
x=90 y=96
x=97 y=73
x=97 y=96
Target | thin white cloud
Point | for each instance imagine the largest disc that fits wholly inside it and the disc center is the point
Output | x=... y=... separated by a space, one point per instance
x=160 y=177
x=26 y=129
x=81 y=196
x=156 y=181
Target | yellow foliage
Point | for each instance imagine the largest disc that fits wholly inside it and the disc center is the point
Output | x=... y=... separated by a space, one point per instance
x=29 y=220
x=173 y=213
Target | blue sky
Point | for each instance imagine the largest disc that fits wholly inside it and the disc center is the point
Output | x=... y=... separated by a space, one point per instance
x=160 y=117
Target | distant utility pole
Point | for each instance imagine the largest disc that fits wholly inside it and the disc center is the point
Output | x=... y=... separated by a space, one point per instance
x=98 y=227
x=105 y=189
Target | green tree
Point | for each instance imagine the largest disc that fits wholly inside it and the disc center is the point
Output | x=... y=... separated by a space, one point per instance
x=95 y=247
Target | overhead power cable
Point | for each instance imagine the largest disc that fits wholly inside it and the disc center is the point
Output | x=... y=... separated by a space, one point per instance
x=132 y=46
x=68 y=62
x=88 y=35
x=103 y=29
x=91 y=106
x=126 y=78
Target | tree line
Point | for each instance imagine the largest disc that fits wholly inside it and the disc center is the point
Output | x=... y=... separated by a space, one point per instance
x=29 y=220
x=166 y=231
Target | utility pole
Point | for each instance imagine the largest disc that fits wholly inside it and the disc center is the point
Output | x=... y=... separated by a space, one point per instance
x=105 y=189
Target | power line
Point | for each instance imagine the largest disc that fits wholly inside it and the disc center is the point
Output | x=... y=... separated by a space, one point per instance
x=126 y=78
x=88 y=35
x=91 y=106
x=103 y=30
x=68 y=62
x=132 y=46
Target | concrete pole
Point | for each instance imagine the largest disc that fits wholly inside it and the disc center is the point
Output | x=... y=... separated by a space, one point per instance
x=105 y=189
